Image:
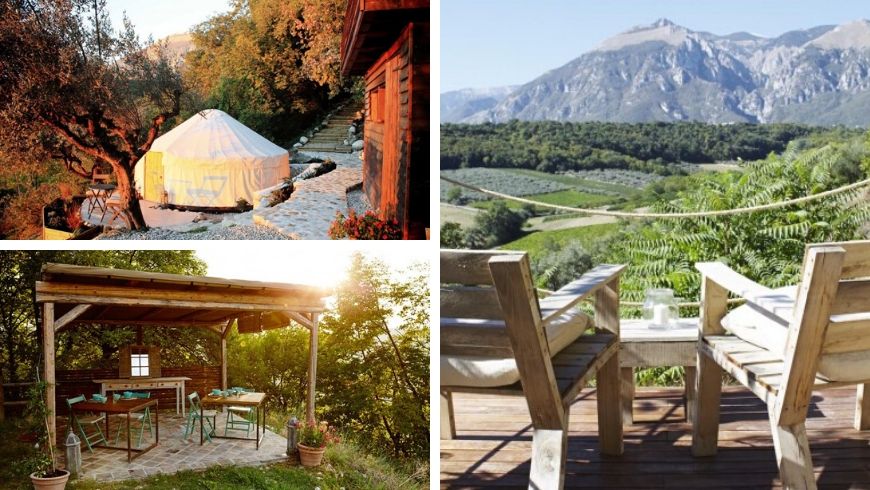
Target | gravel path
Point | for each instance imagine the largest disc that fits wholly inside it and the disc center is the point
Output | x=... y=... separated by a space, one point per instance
x=358 y=202
x=234 y=232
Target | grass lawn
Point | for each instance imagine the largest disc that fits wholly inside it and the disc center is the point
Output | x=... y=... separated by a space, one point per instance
x=535 y=243
x=575 y=181
x=345 y=466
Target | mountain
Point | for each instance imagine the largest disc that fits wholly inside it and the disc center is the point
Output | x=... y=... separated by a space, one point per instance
x=459 y=104
x=667 y=72
x=176 y=46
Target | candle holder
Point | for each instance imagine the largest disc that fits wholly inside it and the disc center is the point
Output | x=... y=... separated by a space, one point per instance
x=660 y=309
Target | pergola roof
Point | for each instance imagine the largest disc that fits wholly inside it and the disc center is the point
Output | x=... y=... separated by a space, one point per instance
x=96 y=295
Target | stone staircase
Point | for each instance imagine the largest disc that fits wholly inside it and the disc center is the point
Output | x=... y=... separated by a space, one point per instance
x=333 y=131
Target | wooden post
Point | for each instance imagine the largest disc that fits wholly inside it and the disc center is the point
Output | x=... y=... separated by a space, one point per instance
x=224 y=361
x=608 y=380
x=792 y=454
x=2 y=407
x=862 y=407
x=312 y=367
x=708 y=382
x=691 y=403
x=48 y=373
x=628 y=395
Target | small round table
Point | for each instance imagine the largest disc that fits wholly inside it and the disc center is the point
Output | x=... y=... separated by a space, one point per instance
x=642 y=347
x=98 y=196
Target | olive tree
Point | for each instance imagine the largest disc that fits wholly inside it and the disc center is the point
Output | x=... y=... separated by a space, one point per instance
x=77 y=90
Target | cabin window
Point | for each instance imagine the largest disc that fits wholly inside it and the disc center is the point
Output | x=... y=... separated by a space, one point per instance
x=139 y=365
x=377 y=102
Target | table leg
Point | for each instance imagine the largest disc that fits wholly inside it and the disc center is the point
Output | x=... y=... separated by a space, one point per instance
x=106 y=415
x=129 y=441
x=201 y=428
x=862 y=407
x=157 y=423
x=182 y=398
x=690 y=393
x=258 y=426
x=627 y=395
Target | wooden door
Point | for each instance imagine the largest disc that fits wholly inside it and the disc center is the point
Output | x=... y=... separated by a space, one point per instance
x=152 y=189
x=392 y=140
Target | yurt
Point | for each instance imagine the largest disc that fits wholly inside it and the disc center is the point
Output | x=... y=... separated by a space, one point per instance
x=210 y=161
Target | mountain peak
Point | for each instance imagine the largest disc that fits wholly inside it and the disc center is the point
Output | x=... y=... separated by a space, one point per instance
x=851 y=35
x=662 y=30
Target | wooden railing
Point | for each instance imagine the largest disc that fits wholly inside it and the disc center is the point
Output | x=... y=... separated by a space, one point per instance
x=18 y=400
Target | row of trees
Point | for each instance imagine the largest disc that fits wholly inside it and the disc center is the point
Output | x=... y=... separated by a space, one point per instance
x=558 y=146
x=373 y=357
x=76 y=92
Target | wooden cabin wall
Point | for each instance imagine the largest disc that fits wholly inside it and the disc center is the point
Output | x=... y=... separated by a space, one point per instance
x=419 y=184
x=76 y=382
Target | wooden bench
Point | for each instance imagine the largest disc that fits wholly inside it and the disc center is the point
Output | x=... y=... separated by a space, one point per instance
x=490 y=308
x=829 y=318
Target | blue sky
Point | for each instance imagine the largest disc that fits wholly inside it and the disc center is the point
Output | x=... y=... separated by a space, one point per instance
x=160 y=18
x=486 y=43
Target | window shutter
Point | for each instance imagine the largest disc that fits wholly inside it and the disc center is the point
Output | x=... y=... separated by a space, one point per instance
x=124 y=362
x=154 y=361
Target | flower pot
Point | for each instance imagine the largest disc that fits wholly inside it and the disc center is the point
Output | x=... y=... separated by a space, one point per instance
x=50 y=483
x=310 y=456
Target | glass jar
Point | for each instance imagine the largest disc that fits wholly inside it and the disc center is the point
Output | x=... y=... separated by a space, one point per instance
x=660 y=309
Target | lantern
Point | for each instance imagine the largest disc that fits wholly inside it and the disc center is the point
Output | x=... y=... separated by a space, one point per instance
x=73 y=455
x=660 y=309
x=292 y=426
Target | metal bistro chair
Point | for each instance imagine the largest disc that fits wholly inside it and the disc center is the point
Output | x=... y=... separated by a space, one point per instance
x=240 y=418
x=209 y=417
x=143 y=418
x=89 y=419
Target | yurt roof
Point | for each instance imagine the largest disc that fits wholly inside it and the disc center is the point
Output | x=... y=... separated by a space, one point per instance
x=213 y=134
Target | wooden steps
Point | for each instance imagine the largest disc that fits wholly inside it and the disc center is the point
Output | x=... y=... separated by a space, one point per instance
x=331 y=137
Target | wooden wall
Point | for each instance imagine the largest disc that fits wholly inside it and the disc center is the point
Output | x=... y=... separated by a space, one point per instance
x=76 y=382
x=396 y=169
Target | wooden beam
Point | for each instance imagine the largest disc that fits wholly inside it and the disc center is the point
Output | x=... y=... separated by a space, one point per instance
x=708 y=389
x=227 y=328
x=48 y=372
x=223 y=362
x=301 y=319
x=608 y=376
x=312 y=370
x=70 y=316
x=124 y=295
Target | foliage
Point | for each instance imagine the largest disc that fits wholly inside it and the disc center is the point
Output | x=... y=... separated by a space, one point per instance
x=452 y=235
x=649 y=147
x=454 y=194
x=76 y=91
x=317 y=435
x=498 y=224
x=45 y=462
x=365 y=227
x=272 y=64
x=561 y=265
x=766 y=246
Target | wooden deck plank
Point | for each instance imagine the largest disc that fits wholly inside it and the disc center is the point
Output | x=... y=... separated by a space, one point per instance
x=493 y=444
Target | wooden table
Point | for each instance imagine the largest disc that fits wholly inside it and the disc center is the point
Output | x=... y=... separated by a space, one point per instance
x=99 y=195
x=176 y=383
x=642 y=347
x=122 y=407
x=244 y=400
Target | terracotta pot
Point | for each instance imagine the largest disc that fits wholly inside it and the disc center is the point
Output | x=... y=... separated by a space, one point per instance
x=310 y=456
x=53 y=483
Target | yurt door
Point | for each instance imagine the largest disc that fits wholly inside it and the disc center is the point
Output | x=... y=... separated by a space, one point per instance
x=153 y=190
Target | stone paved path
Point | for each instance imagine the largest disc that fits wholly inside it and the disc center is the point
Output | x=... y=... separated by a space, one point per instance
x=175 y=454
x=312 y=206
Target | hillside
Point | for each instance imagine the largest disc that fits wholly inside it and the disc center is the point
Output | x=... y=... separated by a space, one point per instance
x=666 y=72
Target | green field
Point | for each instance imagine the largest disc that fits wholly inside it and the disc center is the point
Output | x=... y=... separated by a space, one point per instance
x=575 y=182
x=571 y=198
x=537 y=242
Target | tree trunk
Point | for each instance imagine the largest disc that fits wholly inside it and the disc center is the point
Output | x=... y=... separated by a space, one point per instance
x=124 y=175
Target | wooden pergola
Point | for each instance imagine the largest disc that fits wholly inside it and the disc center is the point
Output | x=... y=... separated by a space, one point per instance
x=76 y=295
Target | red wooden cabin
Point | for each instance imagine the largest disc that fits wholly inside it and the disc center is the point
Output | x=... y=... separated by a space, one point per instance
x=387 y=41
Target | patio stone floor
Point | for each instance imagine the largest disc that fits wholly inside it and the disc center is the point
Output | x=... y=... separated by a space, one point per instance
x=174 y=454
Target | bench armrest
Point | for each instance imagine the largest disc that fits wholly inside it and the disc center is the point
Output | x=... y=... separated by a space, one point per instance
x=777 y=304
x=576 y=291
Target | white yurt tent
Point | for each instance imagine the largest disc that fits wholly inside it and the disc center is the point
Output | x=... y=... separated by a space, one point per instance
x=211 y=160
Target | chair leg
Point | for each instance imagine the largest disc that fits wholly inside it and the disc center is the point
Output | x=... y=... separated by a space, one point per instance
x=708 y=392
x=549 y=452
x=690 y=376
x=793 y=456
x=862 y=407
x=608 y=384
x=448 y=423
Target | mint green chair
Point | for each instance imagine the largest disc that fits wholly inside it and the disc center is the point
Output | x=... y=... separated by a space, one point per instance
x=142 y=418
x=209 y=417
x=240 y=418
x=86 y=420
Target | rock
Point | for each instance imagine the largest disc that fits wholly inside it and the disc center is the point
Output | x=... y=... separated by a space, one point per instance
x=351 y=129
x=297 y=145
x=316 y=129
x=357 y=145
x=303 y=140
x=346 y=142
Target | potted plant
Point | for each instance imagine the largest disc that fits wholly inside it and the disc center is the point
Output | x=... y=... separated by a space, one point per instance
x=313 y=439
x=47 y=475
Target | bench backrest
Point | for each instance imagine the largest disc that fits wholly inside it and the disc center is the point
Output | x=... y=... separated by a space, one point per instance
x=831 y=317
x=472 y=317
